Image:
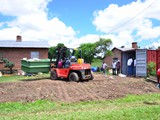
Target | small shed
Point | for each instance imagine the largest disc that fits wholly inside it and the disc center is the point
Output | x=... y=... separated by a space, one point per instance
x=117 y=54
x=141 y=61
x=142 y=56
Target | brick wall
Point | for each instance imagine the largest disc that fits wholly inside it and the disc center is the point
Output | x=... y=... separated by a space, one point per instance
x=16 y=54
x=116 y=54
x=108 y=60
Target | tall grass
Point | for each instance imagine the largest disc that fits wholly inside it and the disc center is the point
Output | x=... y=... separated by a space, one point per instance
x=132 y=107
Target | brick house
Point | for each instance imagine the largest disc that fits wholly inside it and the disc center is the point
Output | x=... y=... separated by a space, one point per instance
x=16 y=50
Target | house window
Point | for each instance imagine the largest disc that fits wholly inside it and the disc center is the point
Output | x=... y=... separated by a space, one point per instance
x=1 y=56
x=34 y=55
x=115 y=59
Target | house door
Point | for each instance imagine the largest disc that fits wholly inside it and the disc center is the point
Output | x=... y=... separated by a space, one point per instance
x=141 y=62
x=125 y=57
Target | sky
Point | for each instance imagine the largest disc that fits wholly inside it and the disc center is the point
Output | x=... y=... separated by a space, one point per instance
x=74 y=22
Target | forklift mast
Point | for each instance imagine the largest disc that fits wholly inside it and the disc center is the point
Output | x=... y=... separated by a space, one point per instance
x=64 y=53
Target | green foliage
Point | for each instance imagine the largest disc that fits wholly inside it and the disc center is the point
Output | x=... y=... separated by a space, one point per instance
x=52 y=50
x=151 y=68
x=60 y=45
x=108 y=53
x=102 y=47
x=132 y=107
x=88 y=52
x=8 y=64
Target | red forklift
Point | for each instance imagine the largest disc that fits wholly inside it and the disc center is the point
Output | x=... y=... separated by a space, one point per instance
x=68 y=67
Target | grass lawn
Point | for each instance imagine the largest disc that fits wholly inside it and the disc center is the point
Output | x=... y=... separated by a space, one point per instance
x=13 y=78
x=97 y=62
x=132 y=107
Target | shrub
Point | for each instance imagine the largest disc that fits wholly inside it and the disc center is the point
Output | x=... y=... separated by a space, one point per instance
x=151 y=68
x=9 y=64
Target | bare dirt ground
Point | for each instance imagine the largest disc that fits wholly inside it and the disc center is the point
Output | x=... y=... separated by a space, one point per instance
x=100 y=88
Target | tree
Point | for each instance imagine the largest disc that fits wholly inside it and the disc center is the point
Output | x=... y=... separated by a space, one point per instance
x=60 y=45
x=108 y=53
x=152 y=47
x=8 y=64
x=102 y=47
x=52 y=50
x=88 y=52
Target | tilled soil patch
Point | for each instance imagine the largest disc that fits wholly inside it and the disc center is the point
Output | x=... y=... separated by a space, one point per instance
x=100 y=88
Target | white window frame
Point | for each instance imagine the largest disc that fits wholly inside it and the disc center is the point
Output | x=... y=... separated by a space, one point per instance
x=34 y=54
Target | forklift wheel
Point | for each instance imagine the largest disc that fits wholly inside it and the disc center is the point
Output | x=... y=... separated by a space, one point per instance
x=73 y=77
x=53 y=75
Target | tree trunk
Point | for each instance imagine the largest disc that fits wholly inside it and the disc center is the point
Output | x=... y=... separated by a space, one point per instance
x=11 y=71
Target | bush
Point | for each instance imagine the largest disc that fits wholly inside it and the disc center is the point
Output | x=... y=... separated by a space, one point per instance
x=8 y=64
x=151 y=68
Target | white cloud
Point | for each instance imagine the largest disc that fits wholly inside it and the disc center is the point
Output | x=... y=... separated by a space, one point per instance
x=114 y=16
x=9 y=33
x=1 y=24
x=149 y=33
x=155 y=44
x=89 y=38
x=134 y=18
x=123 y=38
x=31 y=21
x=21 y=7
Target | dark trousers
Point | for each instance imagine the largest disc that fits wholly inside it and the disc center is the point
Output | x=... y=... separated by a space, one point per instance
x=130 y=71
x=134 y=71
x=118 y=71
x=114 y=71
x=104 y=71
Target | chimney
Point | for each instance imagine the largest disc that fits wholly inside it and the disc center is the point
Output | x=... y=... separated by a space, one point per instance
x=134 y=45
x=19 y=38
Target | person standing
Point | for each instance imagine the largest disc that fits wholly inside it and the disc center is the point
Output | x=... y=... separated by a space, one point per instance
x=103 y=68
x=118 y=66
x=129 y=65
x=114 y=67
x=134 y=69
